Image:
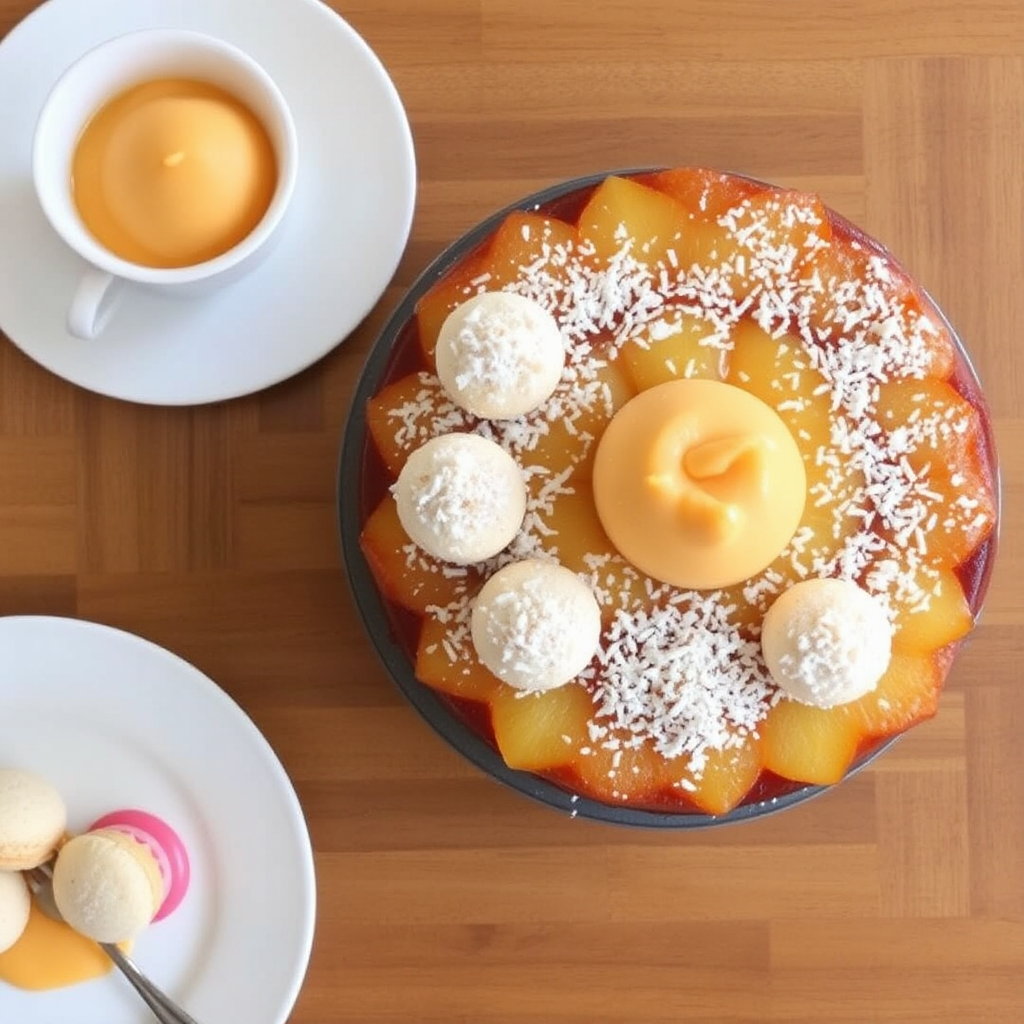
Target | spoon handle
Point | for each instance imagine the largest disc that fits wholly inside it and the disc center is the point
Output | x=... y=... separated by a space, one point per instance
x=164 y=1009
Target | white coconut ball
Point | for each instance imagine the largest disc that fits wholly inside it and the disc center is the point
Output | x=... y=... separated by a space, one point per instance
x=461 y=498
x=826 y=642
x=535 y=625
x=499 y=355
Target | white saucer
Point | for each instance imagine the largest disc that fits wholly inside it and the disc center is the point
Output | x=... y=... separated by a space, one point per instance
x=114 y=722
x=341 y=242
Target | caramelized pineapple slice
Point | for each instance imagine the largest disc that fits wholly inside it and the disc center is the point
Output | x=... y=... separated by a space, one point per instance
x=937 y=424
x=965 y=510
x=615 y=776
x=407 y=414
x=624 y=213
x=908 y=693
x=570 y=427
x=673 y=348
x=540 y=731
x=462 y=282
x=529 y=246
x=942 y=436
x=406 y=574
x=818 y=745
x=853 y=292
x=778 y=371
x=754 y=248
x=808 y=744
x=452 y=666
x=725 y=779
x=525 y=243
x=931 y=612
x=579 y=542
x=702 y=191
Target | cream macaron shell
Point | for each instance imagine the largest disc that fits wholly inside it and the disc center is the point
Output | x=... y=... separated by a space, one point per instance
x=499 y=355
x=535 y=625
x=32 y=819
x=14 y=908
x=461 y=498
x=106 y=885
x=826 y=642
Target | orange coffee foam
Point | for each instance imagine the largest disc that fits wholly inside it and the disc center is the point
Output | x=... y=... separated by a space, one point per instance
x=172 y=173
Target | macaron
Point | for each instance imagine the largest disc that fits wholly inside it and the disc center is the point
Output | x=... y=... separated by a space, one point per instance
x=32 y=820
x=14 y=908
x=107 y=885
x=164 y=844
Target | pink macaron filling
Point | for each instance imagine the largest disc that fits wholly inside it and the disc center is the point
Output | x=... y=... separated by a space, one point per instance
x=164 y=843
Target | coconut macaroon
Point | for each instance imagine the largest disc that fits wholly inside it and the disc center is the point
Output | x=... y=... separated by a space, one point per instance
x=535 y=625
x=14 y=908
x=32 y=820
x=499 y=355
x=461 y=498
x=107 y=885
x=826 y=642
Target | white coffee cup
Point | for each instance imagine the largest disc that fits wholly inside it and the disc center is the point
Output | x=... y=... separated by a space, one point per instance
x=99 y=76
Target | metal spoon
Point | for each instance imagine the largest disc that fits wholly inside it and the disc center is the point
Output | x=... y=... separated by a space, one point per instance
x=166 y=1011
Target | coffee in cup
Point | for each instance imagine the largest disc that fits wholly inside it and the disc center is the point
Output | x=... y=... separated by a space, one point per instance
x=173 y=172
x=166 y=159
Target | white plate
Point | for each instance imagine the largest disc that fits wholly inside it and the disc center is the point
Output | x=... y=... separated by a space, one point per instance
x=341 y=242
x=114 y=721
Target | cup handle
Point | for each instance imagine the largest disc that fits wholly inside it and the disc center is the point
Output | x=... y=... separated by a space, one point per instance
x=94 y=301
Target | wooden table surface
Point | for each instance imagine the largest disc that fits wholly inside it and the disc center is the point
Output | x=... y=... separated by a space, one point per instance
x=444 y=898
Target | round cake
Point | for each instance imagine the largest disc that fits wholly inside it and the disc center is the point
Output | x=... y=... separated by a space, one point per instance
x=694 y=275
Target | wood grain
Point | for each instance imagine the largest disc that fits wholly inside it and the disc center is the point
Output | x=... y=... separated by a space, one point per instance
x=443 y=898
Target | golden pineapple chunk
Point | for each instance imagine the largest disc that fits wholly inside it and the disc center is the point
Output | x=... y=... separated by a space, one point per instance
x=571 y=428
x=763 y=240
x=622 y=212
x=907 y=694
x=931 y=611
x=406 y=574
x=862 y=286
x=523 y=241
x=808 y=744
x=579 y=542
x=725 y=778
x=942 y=436
x=702 y=191
x=462 y=282
x=540 y=731
x=528 y=244
x=778 y=371
x=612 y=774
x=408 y=413
x=452 y=666
x=675 y=347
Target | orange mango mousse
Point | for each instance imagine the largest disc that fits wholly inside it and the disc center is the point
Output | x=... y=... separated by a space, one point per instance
x=173 y=172
x=51 y=955
x=678 y=277
x=698 y=483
